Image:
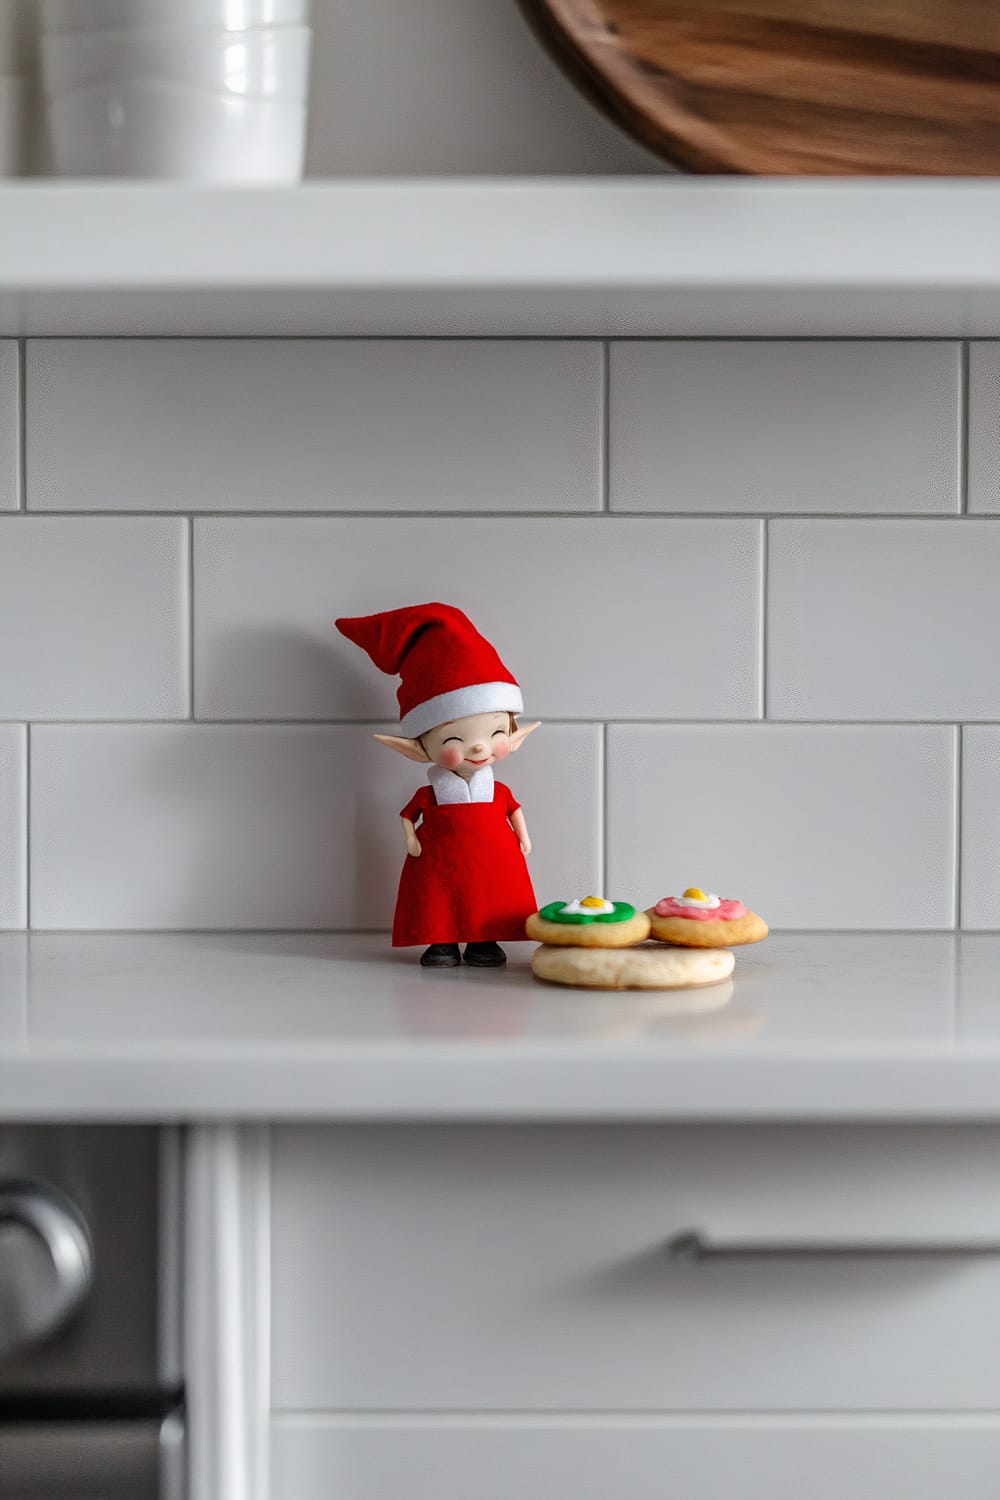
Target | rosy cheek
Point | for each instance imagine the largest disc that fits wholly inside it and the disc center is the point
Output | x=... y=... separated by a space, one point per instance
x=501 y=750
x=450 y=757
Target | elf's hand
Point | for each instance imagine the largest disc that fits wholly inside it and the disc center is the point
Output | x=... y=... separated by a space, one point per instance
x=520 y=828
x=412 y=845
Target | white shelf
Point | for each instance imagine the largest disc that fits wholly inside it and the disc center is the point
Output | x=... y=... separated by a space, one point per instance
x=494 y=256
x=843 y=1026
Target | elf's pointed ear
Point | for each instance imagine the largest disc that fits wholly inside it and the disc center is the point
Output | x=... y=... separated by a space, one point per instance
x=519 y=736
x=412 y=749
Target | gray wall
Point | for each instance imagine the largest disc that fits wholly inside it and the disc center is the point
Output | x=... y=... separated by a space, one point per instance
x=448 y=86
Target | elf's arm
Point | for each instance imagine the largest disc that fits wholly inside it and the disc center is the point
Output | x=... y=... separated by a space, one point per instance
x=409 y=834
x=520 y=827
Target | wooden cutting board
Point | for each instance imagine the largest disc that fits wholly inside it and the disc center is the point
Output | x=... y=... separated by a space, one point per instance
x=807 y=87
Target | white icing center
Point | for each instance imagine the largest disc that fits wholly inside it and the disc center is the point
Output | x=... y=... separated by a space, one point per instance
x=709 y=903
x=577 y=909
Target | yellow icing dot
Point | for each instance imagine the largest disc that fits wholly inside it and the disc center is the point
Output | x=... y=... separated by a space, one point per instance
x=693 y=894
x=592 y=901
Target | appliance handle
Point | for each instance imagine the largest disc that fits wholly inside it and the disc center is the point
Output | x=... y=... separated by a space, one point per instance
x=696 y=1246
x=46 y=1261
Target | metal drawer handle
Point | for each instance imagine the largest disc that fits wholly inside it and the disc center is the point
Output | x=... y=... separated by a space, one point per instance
x=692 y=1245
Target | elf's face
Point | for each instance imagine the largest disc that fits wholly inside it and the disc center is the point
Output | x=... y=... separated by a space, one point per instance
x=467 y=745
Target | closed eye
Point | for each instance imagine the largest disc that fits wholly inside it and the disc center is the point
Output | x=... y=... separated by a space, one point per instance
x=498 y=731
x=451 y=737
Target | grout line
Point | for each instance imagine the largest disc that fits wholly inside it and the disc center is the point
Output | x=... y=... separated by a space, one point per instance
x=502 y=338
x=606 y=428
x=959 y=798
x=602 y=802
x=765 y=562
x=190 y=614
x=372 y=932
x=555 y=719
x=27 y=826
x=963 y=430
x=22 y=424
x=758 y=514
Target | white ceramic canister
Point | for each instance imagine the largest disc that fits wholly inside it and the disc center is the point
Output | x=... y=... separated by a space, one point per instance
x=165 y=130
x=60 y=16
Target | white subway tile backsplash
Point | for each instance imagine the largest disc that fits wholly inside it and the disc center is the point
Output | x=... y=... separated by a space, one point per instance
x=266 y=826
x=981 y=826
x=813 y=826
x=652 y=623
x=93 y=617
x=883 y=619
x=597 y=618
x=13 y=825
x=314 y=424
x=782 y=426
x=10 y=425
x=984 y=425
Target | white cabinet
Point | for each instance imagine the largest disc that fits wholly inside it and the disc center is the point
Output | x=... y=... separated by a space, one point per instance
x=756 y=1458
x=494 y=1310
x=502 y=1268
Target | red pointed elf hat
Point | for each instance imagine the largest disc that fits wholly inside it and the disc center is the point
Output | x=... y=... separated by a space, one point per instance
x=448 y=669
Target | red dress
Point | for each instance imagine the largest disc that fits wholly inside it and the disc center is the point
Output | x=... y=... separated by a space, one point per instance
x=469 y=883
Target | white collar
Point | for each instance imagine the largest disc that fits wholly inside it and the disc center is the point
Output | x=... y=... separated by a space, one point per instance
x=448 y=786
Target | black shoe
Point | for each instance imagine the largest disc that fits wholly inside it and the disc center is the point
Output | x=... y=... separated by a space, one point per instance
x=440 y=956
x=485 y=955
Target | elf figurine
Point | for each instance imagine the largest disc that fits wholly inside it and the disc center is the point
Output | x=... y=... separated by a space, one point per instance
x=464 y=879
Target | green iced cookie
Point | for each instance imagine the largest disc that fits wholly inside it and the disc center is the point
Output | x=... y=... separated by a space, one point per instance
x=554 y=913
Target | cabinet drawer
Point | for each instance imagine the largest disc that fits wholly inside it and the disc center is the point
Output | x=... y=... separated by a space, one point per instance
x=526 y=1268
x=756 y=1459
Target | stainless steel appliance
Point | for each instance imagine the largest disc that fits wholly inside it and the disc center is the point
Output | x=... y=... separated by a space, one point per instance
x=91 y=1391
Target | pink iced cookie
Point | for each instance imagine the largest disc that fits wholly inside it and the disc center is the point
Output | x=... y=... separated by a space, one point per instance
x=725 y=911
x=699 y=919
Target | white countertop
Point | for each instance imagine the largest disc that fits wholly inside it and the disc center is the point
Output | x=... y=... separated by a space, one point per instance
x=293 y=1026
x=596 y=257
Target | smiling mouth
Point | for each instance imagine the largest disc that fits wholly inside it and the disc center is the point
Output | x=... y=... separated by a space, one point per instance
x=479 y=762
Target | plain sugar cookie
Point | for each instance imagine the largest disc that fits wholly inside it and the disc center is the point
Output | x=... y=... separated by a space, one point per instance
x=645 y=968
